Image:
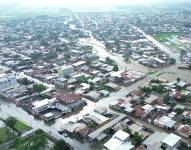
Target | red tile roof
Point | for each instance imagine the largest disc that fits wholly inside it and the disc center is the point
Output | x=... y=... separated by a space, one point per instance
x=178 y=95
x=68 y=98
x=135 y=93
x=125 y=75
x=185 y=129
x=139 y=112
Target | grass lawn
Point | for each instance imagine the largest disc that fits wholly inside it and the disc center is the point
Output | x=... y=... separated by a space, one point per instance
x=5 y=134
x=163 y=37
x=21 y=127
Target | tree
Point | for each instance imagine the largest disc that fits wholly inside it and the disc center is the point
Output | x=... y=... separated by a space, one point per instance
x=109 y=61
x=178 y=79
x=172 y=104
x=10 y=122
x=172 y=61
x=83 y=79
x=126 y=56
x=61 y=145
x=179 y=88
x=142 y=102
x=37 y=141
x=24 y=81
x=158 y=88
x=184 y=98
x=67 y=57
x=38 y=87
x=146 y=89
x=179 y=111
x=166 y=98
x=183 y=53
x=115 y=68
x=155 y=81
x=188 y=121
x=128 y=130
x=44 y=95
x=136 y=139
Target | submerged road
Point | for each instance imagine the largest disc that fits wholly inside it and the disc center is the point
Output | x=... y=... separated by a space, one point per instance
x=12 y=110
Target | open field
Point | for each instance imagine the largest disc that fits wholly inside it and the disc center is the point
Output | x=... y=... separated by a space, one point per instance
x=164 y=37
x=174 y=41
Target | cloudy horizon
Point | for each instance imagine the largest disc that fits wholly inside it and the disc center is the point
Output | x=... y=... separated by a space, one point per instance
x=80 y=3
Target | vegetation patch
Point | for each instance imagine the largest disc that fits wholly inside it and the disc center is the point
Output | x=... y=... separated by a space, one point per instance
x=16 y=125
x=5 y=134
x=164 y=37
x=21 y=127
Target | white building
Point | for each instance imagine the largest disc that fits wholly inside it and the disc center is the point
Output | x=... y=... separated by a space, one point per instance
x=171 y=142
x=153 y=142
x=119 y=141
x=7 y=81
x=66 y=70
x=39 y=106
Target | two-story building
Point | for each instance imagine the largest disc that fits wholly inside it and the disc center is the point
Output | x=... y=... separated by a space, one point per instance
x=72 y=101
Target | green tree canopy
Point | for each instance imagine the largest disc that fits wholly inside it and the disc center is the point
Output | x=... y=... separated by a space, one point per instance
x=38 y=87
x=10 y=122
x=115 y=68
x=37 y=141
x=61 y=145
x=179 y=111
x=136 y=139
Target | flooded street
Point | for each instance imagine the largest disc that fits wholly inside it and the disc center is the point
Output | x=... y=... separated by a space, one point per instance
x=170 y=73
x=10 y=109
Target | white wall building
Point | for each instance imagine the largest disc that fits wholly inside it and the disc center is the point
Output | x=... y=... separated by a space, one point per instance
x=119 y=141
x=39 y=106
x=172 y=141
x=66 y=70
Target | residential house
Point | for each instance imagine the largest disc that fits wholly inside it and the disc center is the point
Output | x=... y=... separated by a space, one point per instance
x=39 y=106
x=72 y=101
x=60 y=81
x=171 y=142
x=153 y=142
x=119 y=141
x=95 y=134
x=66 y=70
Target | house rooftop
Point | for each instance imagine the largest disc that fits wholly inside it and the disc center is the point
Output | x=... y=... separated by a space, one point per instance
x=151 y=98
x=38 y=104
x=96 y=117
x=97 y=132
x=154 y=141
x=171 y=139
x=118 y=141
x=68 y=98
x=121 y=135
x=48 y=115
x=79 y=63
x=135 y=128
